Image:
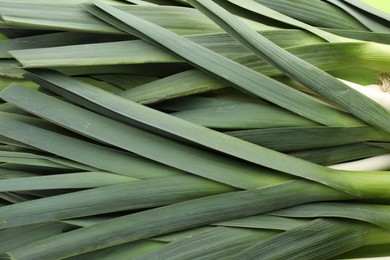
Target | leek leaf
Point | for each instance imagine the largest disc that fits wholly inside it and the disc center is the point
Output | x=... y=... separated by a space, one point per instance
x=20 y=236
x=63 y=181
x=315 y=12
x=68 y=147
x=335 y=236
x=226 y=69
x=375 y=214
x=218 y=243
x=111 y=198
x=364 y=19
x=149 y=145
x=310 y=76
x=175 y=217
x=288 y=139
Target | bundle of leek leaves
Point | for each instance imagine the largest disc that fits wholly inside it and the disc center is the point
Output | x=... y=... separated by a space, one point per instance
x=198 y=129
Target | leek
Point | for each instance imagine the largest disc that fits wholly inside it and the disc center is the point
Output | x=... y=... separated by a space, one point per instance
x=180 y=129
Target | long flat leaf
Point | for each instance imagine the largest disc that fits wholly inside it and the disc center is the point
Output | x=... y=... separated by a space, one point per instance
x=11 y=69
x=137 y=51
x=372 y=213
x=312 y=77
x=223 y=98
x=382 y=145
x=149 y=145
x=319 y=239
x=225 y=69
x=20 y=236
x=218 y=243
x=32 y=162
x=361 y=17
x=53 y=160
x=362 y=35
x=55 y=39
x=9 y=174
x=380 y=251
x=93 y=154
x=125 y=251
x=223 y=243
x=63 y=181
x=112 y=198
x=135 y=114
x=175 y=236
x=264 y=221
x=180 y=84
x=176 y=217
x=262 y=10
x=14 y=198
x=341 y=153
x=302 y=138
x=346 y=55
x=124 y=81
x=29 y=15
x=243 y=116
x=315 y=12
